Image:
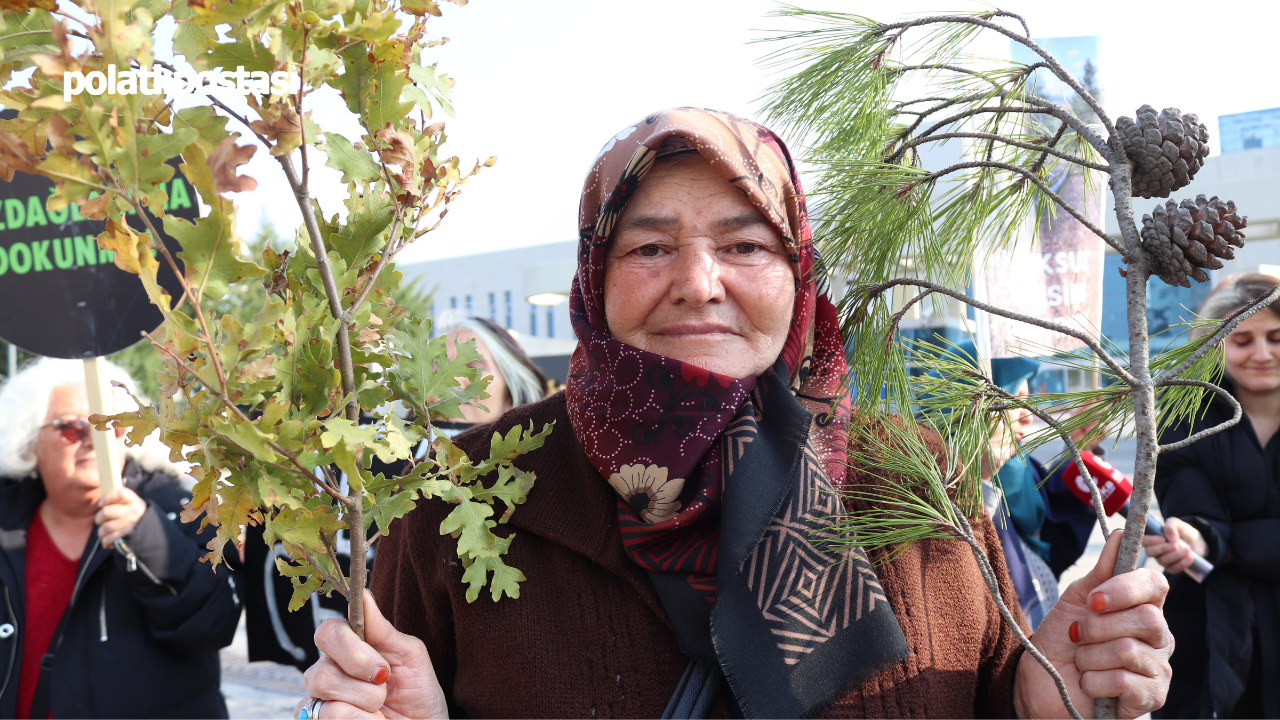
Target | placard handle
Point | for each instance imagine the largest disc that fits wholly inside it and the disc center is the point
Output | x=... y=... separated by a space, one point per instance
x=105 y=445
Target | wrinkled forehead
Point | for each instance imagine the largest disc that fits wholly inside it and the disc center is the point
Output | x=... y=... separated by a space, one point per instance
x=746 y=154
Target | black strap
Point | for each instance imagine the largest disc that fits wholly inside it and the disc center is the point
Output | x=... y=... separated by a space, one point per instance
x=41 y=702
x=696 y=692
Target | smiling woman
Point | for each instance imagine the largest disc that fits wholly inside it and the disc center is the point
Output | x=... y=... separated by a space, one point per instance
x=1221 y=500
x=673 y=540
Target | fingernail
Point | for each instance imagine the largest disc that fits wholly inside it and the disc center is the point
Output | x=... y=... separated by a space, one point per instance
x=380 y=676
x=1073 y=631
x=1099 y=601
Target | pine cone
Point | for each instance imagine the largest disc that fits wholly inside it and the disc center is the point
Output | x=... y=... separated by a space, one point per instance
x=1166 y=150
x=1183 y=239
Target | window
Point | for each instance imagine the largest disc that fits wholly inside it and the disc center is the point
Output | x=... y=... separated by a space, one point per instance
x=469 y=310
x=551 y=321
x=453 y=302
x=533 y=319
x=508 y=299
x=493 y=308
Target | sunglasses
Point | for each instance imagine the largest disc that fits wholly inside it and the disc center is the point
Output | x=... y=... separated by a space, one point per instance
x=76 y=430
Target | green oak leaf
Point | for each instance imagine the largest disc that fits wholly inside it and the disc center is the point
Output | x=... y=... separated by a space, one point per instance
x=385 y=507
x=368 y=215
x=426 y=379
x=355 y=165
x=470 y=524
x=247 y=436
x=506 y=579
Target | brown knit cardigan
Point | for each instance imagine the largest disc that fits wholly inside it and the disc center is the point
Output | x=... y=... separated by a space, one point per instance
x=588 y=636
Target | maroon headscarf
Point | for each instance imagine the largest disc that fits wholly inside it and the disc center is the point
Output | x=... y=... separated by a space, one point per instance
x=725 y=483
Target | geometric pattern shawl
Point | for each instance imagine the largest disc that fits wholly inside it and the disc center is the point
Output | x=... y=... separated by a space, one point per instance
x=725 y=484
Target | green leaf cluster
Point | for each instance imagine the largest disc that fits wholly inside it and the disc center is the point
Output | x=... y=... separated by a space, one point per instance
x=283 y=369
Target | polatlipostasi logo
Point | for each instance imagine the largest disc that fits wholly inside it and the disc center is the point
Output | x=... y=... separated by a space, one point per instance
x=161 y=80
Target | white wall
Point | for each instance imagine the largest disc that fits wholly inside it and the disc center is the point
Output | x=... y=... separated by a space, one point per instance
x=500 y=273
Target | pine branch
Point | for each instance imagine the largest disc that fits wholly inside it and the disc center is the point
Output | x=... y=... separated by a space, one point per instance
x=1016 y=401
x=1044 y=149
x=933 y=176
x=1083 y=337
x=1235 y=418
x=1024 y=40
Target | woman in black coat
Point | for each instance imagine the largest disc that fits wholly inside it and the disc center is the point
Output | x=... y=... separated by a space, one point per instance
x=92 y=627
x=1221 y=496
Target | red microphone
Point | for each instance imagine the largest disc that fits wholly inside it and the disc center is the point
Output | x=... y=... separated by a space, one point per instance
x=1115 y=490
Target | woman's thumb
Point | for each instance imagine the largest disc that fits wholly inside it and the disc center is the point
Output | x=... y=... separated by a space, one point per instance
x=378 y=631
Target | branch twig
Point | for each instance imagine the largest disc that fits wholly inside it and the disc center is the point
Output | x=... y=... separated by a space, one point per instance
x=1046 y=324
x=988 y=574
x=1038 y=183
x=1045 y=149
x=1098 y=504
x=1212 y=341
x=1235 y=404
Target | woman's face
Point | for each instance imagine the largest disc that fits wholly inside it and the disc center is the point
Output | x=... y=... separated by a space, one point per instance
x=499 y=399
x=695 y=273
x=1253 y=353
x=69 y=470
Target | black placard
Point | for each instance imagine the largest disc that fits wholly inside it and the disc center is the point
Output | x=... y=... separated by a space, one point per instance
x=60 y=296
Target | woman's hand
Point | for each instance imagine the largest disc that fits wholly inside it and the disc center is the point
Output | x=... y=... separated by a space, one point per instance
x=119 y=511
x=1173 y=551
x=388 y=675
x=1107 y=638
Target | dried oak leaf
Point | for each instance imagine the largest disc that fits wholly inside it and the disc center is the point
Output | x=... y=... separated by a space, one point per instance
x=283 y=127
x=14 y=156
x=400 y=151
x=57 y=132
x=95 y=208
x=223 y=162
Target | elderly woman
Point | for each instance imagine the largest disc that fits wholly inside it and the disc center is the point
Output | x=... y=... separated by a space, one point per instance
x=668 y=542
x=92 y=627
x=1221 y=498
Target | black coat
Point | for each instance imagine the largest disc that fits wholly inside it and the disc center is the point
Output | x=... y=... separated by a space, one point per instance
x=134 y=644
x=1227 y=659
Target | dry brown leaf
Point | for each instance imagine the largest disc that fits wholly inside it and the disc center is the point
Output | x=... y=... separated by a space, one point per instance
x=95 y=208
x=14 y=156
x=283 y=127
x=223 y=162
x=58 y=136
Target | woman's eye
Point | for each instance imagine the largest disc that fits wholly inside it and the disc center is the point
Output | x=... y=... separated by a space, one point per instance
x=746 y=248
x=648 y=250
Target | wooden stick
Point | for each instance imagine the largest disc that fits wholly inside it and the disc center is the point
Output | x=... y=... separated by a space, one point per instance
x=105 y=446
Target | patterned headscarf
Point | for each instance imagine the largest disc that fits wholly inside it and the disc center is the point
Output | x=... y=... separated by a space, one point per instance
x=725 y=484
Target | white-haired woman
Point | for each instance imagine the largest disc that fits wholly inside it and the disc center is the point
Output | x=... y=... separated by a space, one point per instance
x=516 y=379
x=92 y=628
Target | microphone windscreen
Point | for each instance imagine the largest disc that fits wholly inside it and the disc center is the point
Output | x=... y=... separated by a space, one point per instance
x=1114 y=487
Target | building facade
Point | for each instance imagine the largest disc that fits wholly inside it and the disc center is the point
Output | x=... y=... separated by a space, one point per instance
x=496 y=286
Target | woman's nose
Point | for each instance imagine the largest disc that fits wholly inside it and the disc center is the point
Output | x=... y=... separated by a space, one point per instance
x=1263 y=350
x=697 y=276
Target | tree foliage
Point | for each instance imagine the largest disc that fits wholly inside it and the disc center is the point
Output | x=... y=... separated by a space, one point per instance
x=268 y=360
